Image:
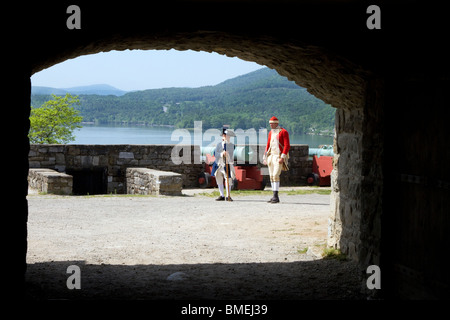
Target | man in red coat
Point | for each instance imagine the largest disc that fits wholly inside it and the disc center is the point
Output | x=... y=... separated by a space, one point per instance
x=277 y=152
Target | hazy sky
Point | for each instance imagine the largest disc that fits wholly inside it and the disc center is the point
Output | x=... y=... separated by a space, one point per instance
x=144 y=69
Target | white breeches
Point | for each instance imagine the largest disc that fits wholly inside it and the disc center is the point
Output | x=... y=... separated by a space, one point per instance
x=274 y=167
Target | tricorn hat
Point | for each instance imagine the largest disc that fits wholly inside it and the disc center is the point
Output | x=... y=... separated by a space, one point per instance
x=226 y=130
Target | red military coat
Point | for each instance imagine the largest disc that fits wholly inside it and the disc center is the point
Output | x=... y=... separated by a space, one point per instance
x=283 y=139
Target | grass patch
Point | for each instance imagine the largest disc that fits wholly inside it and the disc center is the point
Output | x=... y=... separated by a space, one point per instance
x=114 y=195
x=331 y=253
x=278 y=230
x=306 y=191
x=213 y=194
x=216 y=193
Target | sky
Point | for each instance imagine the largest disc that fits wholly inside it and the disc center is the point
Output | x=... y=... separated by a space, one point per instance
x=144 y=69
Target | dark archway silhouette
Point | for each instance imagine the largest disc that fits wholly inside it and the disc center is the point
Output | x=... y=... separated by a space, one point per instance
x=324 y=46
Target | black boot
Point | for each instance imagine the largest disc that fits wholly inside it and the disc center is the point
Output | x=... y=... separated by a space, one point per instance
x=272 y=199
x=275 y=198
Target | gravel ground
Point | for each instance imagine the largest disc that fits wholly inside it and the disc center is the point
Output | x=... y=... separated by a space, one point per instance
x=188 y=247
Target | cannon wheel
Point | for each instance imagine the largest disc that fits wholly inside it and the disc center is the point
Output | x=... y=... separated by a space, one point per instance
x=204 y=179
x=264 y=182
x=235 y=185
x=312 y=179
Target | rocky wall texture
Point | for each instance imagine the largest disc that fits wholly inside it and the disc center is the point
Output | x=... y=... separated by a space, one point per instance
x=344 y=221
x=354 y=225
x=299 y=166
x=115 y=159
x=50 y=181
x=153 y=182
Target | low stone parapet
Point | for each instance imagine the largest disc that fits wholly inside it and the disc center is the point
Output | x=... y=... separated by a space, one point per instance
x=50 y=181
x=153 y=182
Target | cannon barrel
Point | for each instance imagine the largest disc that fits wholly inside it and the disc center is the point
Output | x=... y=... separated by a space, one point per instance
x=242 y=154
x=326 y=150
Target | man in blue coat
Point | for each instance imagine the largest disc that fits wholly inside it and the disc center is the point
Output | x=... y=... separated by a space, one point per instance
x=223 y=164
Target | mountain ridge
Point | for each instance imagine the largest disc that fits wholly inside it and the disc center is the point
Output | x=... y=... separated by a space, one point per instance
x=100 y=89
x=245 y=102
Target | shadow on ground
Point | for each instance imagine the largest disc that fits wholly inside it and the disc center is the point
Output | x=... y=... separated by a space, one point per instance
x=321 y=279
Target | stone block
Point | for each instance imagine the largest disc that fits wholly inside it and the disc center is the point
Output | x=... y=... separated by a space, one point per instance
x=73 y=150
x=50 y=181
x=60 y=158
x=126 y=155
x=151 y=181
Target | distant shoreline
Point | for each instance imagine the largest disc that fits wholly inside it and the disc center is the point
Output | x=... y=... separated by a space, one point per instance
x=141 y=124
x=123 y=124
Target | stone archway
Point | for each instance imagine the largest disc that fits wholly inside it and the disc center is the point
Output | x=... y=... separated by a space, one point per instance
x=332 y=78
x=321 y=60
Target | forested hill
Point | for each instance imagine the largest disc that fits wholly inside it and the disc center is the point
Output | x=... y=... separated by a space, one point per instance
x=247 y=101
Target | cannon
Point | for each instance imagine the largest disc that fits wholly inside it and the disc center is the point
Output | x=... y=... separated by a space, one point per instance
x=322 y=165
x=248 y=174
x=321 y=171
x=242 y=154
x=324 y=150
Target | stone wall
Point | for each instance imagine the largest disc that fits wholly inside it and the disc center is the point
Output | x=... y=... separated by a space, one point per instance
x=357 y=189
x=115 y=159
x=50 y=181
x=299 y=166
x=155 y=182
x=344 y=231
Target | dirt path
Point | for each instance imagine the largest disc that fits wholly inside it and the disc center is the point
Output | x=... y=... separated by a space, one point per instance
x=184 y=247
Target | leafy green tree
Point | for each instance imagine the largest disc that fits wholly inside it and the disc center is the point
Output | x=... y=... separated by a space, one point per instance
x=55 y=121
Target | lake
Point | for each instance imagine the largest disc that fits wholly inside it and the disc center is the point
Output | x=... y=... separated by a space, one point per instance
x=111 y=134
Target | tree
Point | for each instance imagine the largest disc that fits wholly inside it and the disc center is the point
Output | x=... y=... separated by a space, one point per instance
x=55 y=121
